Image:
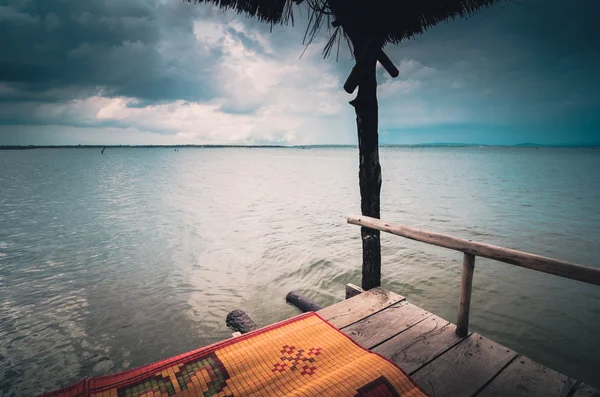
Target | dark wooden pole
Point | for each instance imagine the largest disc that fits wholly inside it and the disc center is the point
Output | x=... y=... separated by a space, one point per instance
x=365 y=106
x=369 y=174
x=464 y=302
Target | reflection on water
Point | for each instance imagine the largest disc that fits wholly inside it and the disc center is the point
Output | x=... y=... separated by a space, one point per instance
x=110 y=262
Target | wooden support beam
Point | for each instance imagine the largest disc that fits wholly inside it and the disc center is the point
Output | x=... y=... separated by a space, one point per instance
x=239 y=321
x=353 y=290
x=303 y=303
x=368 y=54
x=464 y=303
x=387 y=64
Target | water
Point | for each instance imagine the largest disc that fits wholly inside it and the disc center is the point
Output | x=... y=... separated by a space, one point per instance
x=111 y=262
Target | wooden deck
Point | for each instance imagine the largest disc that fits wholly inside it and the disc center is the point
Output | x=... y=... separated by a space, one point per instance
x=427 y=348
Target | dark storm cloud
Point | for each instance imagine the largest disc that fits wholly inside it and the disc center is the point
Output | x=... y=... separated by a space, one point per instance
x=529 y=65
x=535 y=40
x=522 y=67
x=134 y=48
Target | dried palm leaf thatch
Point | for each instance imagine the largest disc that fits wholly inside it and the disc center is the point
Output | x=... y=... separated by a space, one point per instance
x=390 y=21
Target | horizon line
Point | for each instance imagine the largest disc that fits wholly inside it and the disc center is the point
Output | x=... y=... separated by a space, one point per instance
x=416 y=145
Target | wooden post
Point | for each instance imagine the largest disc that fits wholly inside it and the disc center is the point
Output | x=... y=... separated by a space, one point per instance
x=464 y=303
x=371 y=51
x=365 y=106
x=369 y=174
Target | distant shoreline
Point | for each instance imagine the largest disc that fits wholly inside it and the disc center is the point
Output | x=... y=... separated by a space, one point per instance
x=422 y=145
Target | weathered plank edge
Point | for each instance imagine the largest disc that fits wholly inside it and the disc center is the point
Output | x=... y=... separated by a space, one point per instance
x=487 y=369
x=353 y=290
x=511 y=378
x=581 y=389
x=352 y=310
x=431 y=338
x=391 y=320
x=404 y=330
x=452 y=346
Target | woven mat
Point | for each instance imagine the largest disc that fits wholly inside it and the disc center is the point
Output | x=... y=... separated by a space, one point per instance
x=302 y=356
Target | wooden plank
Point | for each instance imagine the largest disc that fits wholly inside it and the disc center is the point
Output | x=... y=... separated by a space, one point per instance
x=540 y=263
x=353 y=290
x=381 y=326
x=354 y=309
x=464 y=302
x=585 y=390
x=418 y=345
x=524 y=377
x=463 y=369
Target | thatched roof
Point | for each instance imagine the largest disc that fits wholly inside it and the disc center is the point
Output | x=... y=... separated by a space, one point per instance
x=367 y=25
x=387 y=20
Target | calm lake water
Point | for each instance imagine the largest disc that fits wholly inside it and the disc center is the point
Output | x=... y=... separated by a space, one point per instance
x=111 y=262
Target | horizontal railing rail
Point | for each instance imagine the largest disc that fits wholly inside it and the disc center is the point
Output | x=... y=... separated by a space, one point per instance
x=471 y=249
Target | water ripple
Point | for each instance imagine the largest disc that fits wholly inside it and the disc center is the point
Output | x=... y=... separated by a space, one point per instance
x=110 y=262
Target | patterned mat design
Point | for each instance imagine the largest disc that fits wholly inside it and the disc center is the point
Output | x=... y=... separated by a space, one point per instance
x=302 y=356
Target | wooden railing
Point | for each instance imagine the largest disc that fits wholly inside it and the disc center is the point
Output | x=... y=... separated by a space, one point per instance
x=472 y=249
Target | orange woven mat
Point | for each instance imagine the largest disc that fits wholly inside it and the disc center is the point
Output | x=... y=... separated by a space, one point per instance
x=302 y=356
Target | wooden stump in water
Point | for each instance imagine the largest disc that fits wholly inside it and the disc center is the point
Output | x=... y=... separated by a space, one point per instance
x=303 y=303
x=239 y=321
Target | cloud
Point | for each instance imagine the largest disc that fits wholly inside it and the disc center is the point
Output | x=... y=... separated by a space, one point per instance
x=11 y=16
x=412 y=73
x=258 y=94
x=172 y=69
x=175 y=72
x=132 y=48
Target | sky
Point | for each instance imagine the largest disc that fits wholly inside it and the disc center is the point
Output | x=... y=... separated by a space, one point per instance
x=171 y=72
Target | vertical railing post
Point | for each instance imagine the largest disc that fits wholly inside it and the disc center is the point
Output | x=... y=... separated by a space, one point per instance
x=464 y=303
